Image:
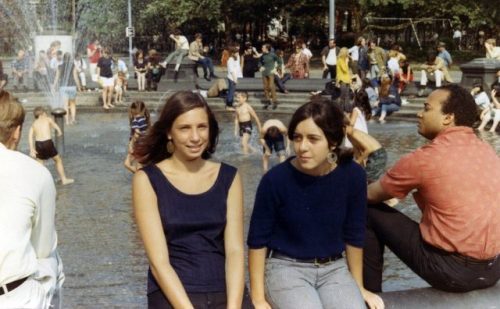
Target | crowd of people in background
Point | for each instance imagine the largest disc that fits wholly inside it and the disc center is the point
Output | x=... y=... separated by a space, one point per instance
x=336 y=163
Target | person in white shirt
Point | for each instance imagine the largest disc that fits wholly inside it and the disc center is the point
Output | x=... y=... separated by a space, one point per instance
x=480 y=96
x=492 y=50
x=306 y=51
x=457 y=38
x=354 y=55
x=329 y=59
x=233 y=73
x=181 y=51
x=31 y=273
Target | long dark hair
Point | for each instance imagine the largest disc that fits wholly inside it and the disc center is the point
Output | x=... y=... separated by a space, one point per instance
x=152 y=148
x=362 y=101
x=329 y=118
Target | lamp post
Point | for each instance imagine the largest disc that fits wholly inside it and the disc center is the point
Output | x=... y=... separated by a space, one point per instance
x=331 y=20
x=130 y=36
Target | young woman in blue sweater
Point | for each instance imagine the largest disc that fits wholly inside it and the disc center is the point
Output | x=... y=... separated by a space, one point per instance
x=308 y=211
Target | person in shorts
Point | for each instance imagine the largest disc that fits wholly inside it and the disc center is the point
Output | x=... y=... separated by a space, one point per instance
x=273 y=138
x=67 y=80
x=43 y=147
x=243 y=114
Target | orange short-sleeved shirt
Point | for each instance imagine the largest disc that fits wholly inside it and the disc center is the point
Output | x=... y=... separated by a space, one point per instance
x=457 y=183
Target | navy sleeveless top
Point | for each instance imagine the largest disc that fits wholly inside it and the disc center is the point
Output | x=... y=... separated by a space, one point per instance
x=194 y=227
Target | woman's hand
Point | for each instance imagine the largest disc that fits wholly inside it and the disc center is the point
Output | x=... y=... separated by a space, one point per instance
x=373 y=300
x=261 y=304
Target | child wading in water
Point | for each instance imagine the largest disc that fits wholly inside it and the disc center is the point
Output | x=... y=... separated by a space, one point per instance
x=139 y=118
x=243 y=120
x=43 y=148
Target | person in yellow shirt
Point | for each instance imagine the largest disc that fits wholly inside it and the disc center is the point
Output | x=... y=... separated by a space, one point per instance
x=343 y=79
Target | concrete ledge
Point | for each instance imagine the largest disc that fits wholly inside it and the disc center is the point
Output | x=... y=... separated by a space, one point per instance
x=432 y=298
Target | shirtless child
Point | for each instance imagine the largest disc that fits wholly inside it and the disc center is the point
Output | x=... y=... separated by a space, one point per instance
x=243 y=114
x=273 y=137
x=43 y=147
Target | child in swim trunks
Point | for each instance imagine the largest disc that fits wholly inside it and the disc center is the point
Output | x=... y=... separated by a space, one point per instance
x=273 y=137
x=243 y=120
x=43 y=148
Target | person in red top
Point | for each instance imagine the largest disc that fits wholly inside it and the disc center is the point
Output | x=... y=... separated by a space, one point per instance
x=456 y=178
x=93 y=54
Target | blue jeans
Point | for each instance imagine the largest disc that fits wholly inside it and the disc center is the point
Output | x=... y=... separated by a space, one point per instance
x=295 y=285
x=207 y=65
x=280 y=82
x=179 y=53
x=385 y=109
x=230 y=92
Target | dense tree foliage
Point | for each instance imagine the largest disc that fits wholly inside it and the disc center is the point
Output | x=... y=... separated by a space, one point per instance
x=222 y=19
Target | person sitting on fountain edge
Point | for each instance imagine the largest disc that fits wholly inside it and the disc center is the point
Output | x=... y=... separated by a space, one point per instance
x=456 y=176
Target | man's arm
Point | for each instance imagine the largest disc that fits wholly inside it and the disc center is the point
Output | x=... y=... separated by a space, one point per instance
x=43 y=236
x=31 y=136
x=377 y=194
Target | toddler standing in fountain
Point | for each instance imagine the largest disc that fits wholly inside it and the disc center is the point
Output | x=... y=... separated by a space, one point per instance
x=43 y=148
x=243 y=120
x=120 y=85
x=139 y=118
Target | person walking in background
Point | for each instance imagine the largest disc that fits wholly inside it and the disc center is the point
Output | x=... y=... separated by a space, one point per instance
x=105 y=73
x=233 y=73
x=189 y=210
x=318 y=194
x=329 y=59
x=31 y=272
x=363 y=62
x=268 y=65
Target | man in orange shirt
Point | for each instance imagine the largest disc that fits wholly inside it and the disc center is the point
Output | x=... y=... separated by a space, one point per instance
x=456 y=178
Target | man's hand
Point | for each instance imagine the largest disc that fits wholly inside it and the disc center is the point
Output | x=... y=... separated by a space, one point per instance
x=33 y=153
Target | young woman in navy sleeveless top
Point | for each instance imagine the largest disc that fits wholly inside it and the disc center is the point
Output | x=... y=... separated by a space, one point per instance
x=189 y=210
x=309 y=210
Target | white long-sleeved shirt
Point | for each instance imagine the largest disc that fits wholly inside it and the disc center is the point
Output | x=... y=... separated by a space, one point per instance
x=233 y=69
x=28 y=238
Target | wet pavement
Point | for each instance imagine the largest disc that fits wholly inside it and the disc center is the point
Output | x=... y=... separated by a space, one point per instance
x=104 y=260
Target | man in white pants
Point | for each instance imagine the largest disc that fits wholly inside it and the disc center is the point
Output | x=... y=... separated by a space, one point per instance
x=31 y=273
x=433 y=69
